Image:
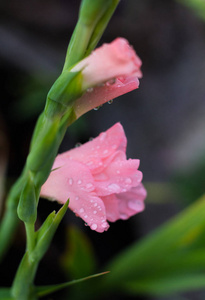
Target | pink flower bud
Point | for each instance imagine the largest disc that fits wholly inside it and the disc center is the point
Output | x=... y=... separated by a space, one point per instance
x=100 y=182
x=112 y=69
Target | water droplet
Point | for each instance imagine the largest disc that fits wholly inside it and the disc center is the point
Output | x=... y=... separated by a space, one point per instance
x=95 y=212
x=70 y=181
x=110 y=101
x=79 y=181
x=105 y=151
x=95 y=204
x=94 y=226
x=128 y=180
x=89 y=90
x=118 y=172
x=86 y=224
x=88 y=186
x=81 y=210
x=77 y=145
x=91 y=138
x=104 y=225
x=98 y=107
x=77 y=198
x=85 y=216
x=113 y=187
x=102 y=136
x=111 y=82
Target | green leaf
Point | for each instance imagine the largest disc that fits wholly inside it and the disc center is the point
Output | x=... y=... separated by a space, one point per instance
x=166 y=285
x=47 y=231
x=78 y=259
x=5 y=294
x=175 y=250
x=46 y=290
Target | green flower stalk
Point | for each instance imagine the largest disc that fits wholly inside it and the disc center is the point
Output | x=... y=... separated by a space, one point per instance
x=50 y=129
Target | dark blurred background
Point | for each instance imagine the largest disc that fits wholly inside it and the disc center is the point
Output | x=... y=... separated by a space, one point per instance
x=163 y=120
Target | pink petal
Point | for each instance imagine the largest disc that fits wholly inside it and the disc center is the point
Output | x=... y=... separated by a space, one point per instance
x=74 y=181
x=107 y=62
x=102 y=94
x=118 y=177
x=124 y=205
x=94 y=153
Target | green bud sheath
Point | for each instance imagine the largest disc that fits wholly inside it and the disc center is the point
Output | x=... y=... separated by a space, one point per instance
x=27 y=210
x=92 y=12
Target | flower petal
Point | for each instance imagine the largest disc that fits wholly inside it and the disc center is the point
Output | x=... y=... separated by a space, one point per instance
x=94 y=153
x=107 y=62
x=118 y=177
x=74 y=181
x=102 y=94
x=124 y=205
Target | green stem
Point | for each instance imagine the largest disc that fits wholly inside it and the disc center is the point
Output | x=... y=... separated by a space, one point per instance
x=22 y=288
x=30 y=237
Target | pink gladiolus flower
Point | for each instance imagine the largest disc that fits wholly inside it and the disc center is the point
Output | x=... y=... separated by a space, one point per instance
x=100 y=182
x=115 y=67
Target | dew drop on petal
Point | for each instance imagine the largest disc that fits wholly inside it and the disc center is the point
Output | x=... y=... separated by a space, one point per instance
x=102 y=136
x=81 y=210
x=95 y=204
x=85 y=216
x=89 y=90
x=104 y=225
x=111 y=82
x=128 y=180
x=98 y=107
x=77 y=145
x=77 y=198
x=110 y=101
x=70 y=181
x=89 y=185
x=94 y=226
x=113 y=187
x=79 y=181
x=95 y=212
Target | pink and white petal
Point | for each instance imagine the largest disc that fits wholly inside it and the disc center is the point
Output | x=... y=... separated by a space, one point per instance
x=111 y=207
x=94 y=152
x=74 y=181
x=118 y=177
x=131 y=202
x=124 y=205
x=109 y=61
x=102 y=94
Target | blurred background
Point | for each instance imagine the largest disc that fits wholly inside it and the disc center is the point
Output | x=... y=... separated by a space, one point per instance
x=163 y=120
